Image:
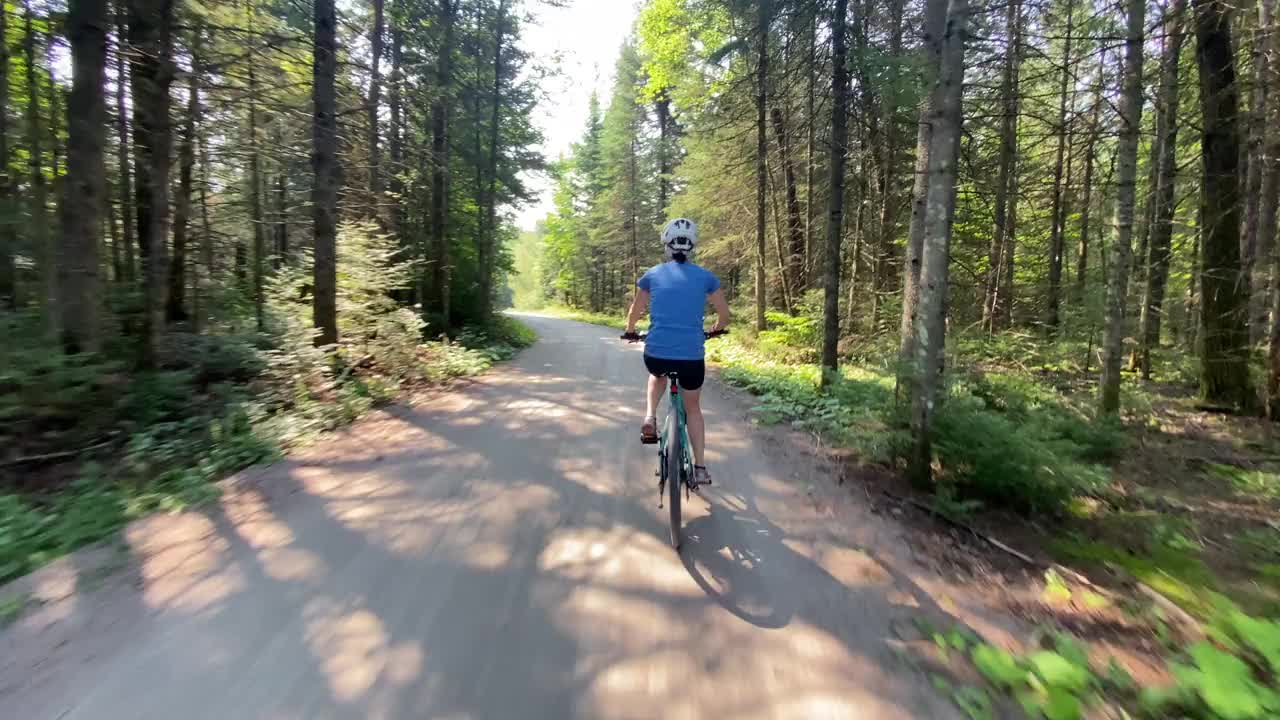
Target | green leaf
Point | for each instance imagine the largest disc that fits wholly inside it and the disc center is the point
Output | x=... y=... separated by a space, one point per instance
x=1261 y=635
x=998 y=666
x=1057 y=671
x=1225 y=684
x=1061 y=705
x=1071 y=649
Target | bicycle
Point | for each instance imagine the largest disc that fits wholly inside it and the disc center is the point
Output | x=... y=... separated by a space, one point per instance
x=675 y=454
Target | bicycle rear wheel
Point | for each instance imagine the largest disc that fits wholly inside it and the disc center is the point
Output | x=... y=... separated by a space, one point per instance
x=675 y=469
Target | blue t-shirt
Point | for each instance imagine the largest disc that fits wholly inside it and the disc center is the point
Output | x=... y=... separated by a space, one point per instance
x=677 y=297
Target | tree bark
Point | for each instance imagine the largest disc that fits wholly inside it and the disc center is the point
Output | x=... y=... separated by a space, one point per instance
x=489 y=233
x=1270 y=191
x=889 y=142
x=934 y=25
x=762 y=87
x=440 y=159
x=1224 y=376
x=84 y=192
x=328 y=175
x=123 y=146
x=1126 y=172
x=182 y=208
x=811 y=162
x=994 y=309
x=38 y=202
x=662 y=108
x=930 y=329
x=8 y=212
x=835 y=203
x=1253 y=265
x=256 y=218
x=795 y=227
x=1163 y=199
x=151 y=73
x=396 y=141
x=1056 y=235
x=204 y=269
x=375 y=98
x=1090 y=158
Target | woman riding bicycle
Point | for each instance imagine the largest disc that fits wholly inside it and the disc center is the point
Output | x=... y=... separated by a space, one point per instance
x=675 y=293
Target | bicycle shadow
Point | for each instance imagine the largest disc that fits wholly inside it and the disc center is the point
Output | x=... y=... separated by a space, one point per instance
x=728 y=553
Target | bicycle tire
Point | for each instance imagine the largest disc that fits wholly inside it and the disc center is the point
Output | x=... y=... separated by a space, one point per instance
x=675 y=483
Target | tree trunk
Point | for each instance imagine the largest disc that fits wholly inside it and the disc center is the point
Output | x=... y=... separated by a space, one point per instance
x=934 y=25
x=122 y=146
x=993 y=310
x=9 y=299
x=151 y=72
x=888 y=151
x=182 y=208
x=811 y=161
x=1090 y=157
x=84 y=194
x=375 y=97
x=1253 y=265
x=1127 y=171
x=633 y=218
x=281 y=253
x=256 y=218
x=1056 y=235
x=779 y=246
x=38 y=204
x=795 y=228
x=328 y=174
x=662 y=109
x=835 y=202
x=1267 y=210
x=204 y=269
x=762 y=86
x=1163 y=199
x=396 y=148
x=440 y=159
x=489 y=233
x=930 y=330
x=1224 y=376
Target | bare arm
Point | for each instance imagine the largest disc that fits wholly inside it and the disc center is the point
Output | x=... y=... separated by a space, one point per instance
x=722 y=309
x=639 y=306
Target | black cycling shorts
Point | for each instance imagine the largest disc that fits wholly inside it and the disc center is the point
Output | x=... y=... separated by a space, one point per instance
x=691 y=372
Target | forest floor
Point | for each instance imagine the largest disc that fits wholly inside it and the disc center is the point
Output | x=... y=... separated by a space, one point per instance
x=1134 y=537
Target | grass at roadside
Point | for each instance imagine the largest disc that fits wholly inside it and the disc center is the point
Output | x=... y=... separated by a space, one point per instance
x=160 y=441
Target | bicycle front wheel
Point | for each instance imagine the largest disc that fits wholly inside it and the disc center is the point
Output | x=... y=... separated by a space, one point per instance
x=675 y=471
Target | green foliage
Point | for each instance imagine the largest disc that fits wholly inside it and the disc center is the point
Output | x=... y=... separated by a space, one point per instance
x=220 y=402
x=1248 y=482
x=1050 y=683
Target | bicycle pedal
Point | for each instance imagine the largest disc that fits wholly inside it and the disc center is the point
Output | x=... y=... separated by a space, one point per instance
x=648 y=440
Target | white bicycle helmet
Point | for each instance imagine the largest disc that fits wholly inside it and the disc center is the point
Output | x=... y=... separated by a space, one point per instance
x=679 y=238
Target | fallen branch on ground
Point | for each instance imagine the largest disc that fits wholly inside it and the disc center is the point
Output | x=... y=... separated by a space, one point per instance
x=46 y=457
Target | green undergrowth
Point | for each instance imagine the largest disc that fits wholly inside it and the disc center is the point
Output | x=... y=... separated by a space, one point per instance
x=126 y=443
x=1000 y=438
x=1231 y=674
x=1003 y=437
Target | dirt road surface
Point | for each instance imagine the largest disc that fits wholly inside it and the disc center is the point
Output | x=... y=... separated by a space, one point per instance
x=494 y=551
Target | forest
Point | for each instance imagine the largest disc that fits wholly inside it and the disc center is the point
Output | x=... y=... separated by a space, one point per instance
x=226 y=227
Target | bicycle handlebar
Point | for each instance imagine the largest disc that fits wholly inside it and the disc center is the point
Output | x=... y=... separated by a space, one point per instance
x=641 y=337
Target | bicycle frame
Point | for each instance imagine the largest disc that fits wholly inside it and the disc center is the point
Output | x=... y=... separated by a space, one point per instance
x=677 y=406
